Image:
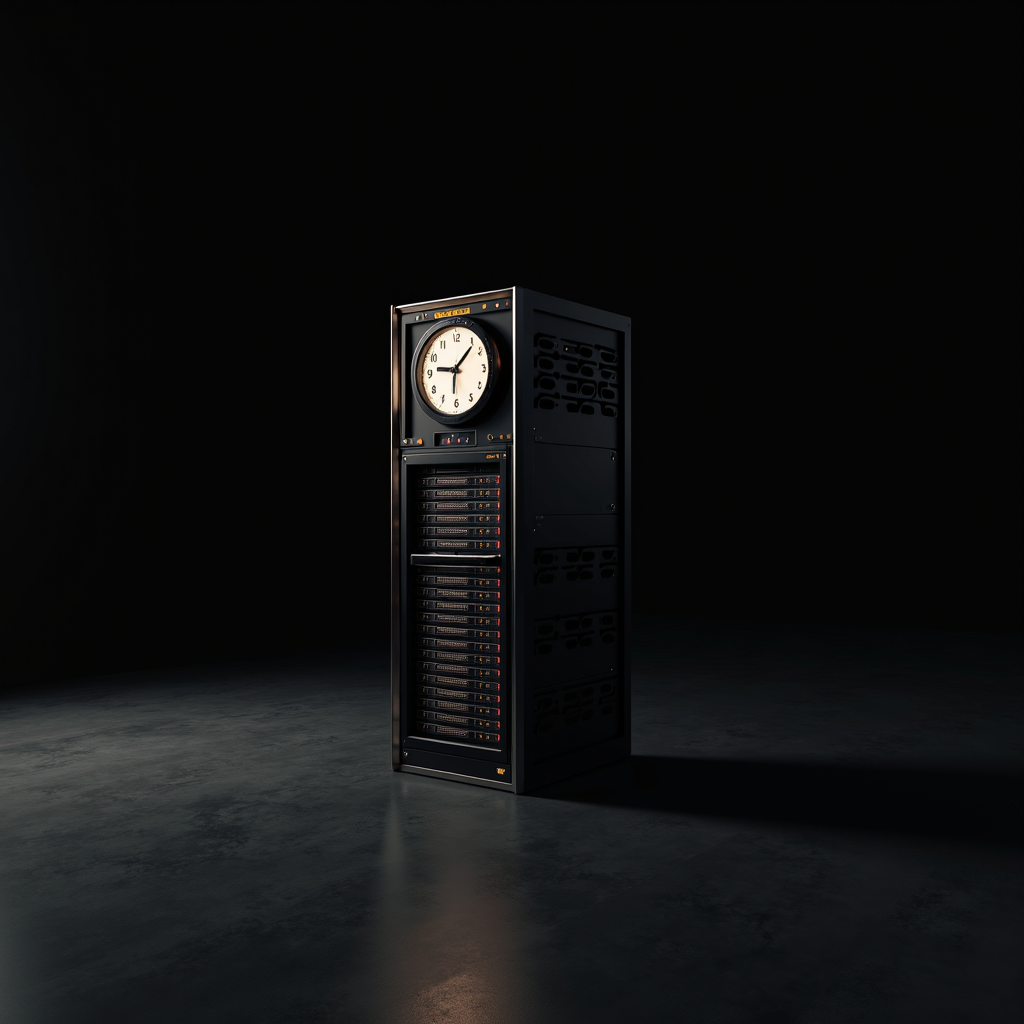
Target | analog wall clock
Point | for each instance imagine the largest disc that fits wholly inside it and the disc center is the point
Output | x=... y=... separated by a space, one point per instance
x=455 y=370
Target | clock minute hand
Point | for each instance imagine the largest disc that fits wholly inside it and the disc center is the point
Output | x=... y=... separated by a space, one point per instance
x=455 y=368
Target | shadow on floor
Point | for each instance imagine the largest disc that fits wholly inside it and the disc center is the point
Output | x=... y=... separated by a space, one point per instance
x=975 y=807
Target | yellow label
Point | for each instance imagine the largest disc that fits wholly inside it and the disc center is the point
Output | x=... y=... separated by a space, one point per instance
x=501 y=771
x=451 y=312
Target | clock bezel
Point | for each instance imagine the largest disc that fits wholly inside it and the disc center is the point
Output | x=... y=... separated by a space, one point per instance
x=483 y=399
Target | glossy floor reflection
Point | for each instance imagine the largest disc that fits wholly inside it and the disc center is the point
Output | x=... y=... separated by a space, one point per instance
x=814 y=828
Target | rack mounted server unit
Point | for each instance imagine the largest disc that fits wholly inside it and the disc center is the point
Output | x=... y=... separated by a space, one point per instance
x=510 y=662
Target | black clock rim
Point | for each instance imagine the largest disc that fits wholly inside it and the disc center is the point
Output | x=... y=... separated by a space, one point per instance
x=492 y=379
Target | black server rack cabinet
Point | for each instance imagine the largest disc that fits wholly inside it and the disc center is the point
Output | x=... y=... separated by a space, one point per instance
x=510 y=663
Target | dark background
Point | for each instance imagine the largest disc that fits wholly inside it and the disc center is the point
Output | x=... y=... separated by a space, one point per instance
x=811 y=213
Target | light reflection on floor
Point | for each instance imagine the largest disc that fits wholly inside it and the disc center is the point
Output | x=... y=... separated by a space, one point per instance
x=453 y=914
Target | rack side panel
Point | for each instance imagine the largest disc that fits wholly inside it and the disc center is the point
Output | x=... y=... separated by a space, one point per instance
x=572 y=515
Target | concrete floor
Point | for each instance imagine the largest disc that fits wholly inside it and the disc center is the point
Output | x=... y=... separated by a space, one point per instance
x=816 y=827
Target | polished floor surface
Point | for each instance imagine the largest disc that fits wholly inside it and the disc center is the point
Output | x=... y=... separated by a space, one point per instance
x=816 y=827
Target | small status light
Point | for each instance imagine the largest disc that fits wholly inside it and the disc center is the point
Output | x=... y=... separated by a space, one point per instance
x=419 y=440
x=484 y=306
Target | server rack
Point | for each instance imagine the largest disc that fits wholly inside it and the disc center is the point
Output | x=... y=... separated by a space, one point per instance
x=510 y=483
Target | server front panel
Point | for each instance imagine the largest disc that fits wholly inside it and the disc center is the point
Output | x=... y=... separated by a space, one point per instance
x=456 y=700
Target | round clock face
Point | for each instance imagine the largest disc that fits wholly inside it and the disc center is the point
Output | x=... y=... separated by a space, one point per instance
x=455 y=368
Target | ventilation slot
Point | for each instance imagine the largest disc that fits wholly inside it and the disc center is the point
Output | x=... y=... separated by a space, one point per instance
x=568 y=714
x=574 y=633
x=569 y=373
x=574 y=565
